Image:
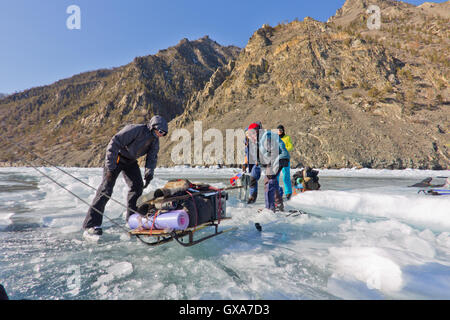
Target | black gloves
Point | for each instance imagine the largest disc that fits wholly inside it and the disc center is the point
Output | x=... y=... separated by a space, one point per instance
x=148 y=178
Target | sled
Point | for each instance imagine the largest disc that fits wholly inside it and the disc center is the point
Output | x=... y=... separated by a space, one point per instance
x=164 y=236
x=435 y=192
x=427 y=183
x=204 y=205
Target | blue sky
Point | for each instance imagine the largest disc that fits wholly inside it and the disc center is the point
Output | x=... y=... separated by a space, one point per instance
x=36 y=47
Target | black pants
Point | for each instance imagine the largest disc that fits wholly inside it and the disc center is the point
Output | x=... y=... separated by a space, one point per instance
x=133 y=179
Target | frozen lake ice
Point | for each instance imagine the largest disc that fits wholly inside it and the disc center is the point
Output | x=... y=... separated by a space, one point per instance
x=367 y=236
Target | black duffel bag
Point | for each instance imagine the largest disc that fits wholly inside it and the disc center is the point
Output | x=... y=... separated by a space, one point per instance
x=205 y=207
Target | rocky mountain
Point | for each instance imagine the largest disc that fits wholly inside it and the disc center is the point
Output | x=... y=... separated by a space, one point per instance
x=72 y=120
x=349 y=95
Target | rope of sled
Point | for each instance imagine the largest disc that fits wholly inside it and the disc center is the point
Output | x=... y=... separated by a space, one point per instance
x=73 y=194
x=19 y=146
x=67 y=173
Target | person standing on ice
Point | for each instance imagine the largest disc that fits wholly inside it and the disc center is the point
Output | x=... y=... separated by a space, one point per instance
x=252 y=158
x=122 y=152
x=274 y=157
x=286 y=170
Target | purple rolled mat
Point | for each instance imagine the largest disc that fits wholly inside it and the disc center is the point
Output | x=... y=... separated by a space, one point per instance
x=176 y=220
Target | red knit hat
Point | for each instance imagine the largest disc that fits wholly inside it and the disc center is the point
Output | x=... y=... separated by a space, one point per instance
x=253 y=126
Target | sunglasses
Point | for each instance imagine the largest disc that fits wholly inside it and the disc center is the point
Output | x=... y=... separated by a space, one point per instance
x=162 y=132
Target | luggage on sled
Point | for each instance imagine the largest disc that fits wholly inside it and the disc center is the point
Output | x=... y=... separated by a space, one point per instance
x=179 y=209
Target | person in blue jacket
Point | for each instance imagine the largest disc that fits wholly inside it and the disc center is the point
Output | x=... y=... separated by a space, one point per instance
x=274 y=158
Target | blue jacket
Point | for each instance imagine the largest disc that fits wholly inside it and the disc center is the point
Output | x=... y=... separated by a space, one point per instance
x=265 y=146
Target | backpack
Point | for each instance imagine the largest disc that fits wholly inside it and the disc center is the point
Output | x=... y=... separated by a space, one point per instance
x=307 y=178
x=202 y=202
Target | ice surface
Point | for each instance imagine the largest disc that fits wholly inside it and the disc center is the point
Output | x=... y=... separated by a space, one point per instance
x=403 y=204
x=367 y=236
x=117 y=271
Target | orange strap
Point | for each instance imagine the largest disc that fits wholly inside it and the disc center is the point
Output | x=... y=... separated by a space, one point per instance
x=118 y=158
x=153 y=222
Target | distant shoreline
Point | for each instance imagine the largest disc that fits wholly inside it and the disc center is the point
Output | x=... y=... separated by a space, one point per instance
x=328 y=171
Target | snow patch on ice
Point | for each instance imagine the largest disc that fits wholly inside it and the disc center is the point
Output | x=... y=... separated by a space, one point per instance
x=426 y=211
x=5 y=218
x=378 y=253
x=369 y=265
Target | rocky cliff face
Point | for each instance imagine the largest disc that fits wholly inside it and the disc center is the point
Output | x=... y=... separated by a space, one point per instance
x=72 y=120
x=349 y=96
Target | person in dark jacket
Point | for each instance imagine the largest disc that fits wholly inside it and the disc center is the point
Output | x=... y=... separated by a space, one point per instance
x=122 y=152
x=252 y=158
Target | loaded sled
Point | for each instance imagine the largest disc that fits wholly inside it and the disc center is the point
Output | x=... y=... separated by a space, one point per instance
x=177 y=211
x=443 y=189
x=436 y=192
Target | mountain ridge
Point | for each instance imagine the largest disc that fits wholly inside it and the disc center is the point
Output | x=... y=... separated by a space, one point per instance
x=387 y=105
x=74 y=118
x=348 y=95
